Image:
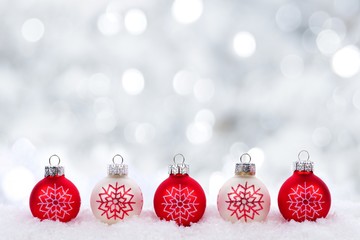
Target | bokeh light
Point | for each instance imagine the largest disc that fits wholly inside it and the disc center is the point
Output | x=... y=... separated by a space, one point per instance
x=346 y=61
x=187 y=11
x=33 y=29
x=109 y=23
x=133 y=81
x=135 y=21
x=244 y=44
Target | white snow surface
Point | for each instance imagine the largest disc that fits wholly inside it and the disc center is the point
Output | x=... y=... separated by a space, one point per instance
x=343 y=222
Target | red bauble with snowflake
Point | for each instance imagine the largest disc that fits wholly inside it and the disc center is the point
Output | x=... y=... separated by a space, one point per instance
x=55 y=197
x=180 y=198
x=304 y=196
x=244 y=197
x=116 y=197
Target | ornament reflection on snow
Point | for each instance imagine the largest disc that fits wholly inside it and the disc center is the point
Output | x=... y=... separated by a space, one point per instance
x=180 y=198
x=55 y=197
x=116 y=197
x=304 y=196
x=244 y=197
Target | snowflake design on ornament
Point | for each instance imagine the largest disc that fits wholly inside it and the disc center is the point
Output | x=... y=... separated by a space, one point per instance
x=55 y=202
x=305 y=202
x=245 y=201
x=115 y=201
x=180 y=203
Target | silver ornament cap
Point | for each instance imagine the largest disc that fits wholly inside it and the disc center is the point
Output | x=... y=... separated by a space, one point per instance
x=53 y=171
x=179 y=168
x=245 y=168
x=303 y=164
x=116 y=169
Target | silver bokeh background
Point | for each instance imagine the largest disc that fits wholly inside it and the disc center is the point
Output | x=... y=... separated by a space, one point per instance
x=148 y=79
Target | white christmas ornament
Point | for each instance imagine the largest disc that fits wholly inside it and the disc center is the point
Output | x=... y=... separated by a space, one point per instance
x=116 y=197
x=244 y=197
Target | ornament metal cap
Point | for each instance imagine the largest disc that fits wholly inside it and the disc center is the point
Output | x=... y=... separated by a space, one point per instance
x=245 y=169
x=116 y=169
x=179 y=168
x=304 y=165
x=53 y=171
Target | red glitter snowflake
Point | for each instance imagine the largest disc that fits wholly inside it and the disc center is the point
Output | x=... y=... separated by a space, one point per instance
x=245 y=201
x=115 y=201
x=180 y=204
x=55 y=202
x=305 y=202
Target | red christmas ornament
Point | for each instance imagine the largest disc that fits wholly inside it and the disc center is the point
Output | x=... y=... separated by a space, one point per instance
x=304 y=196
x=180 y=198
x=55 y=197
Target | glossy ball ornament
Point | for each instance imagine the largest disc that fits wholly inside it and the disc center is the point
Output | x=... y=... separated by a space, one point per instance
x=180 y=198
x=244 y=197
x=55 y=197
x=116 y=197
x=304 y=196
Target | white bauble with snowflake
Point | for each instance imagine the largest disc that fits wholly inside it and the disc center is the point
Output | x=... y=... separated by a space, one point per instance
x=244 y=197
x=116 y=197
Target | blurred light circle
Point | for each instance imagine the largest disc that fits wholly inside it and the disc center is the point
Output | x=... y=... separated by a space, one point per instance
x=321 y=137
x=205 y=115
x=184 y=81
x=33 y=29
x=337 y=25
x=144 y=133
x=133 y=81
x=288 y=18
x=135 y=21
x=292 y=66
x=204 y=90
x=199 y=132
x=346 y=61
x=328 y=41
x=187 y=11
x=109 y=23
x=18 y=183
x=317 y=21
x=244 y=44
x=99 y=84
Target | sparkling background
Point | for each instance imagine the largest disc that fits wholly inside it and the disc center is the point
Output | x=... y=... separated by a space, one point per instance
x=148 y=79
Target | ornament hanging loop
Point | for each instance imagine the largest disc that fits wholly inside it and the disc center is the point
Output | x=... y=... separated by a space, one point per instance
x=245 y=155
x=54 y=156
x=177 y=156
x=118 y=155
x=306 y=153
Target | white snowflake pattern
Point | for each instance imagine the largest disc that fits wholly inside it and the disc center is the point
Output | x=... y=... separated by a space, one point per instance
x=180 y=204
x=55 y=202
x=305 y=202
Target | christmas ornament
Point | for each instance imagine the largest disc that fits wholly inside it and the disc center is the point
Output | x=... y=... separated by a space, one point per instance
x=116 y=197
x=244 y=197
x=180 y=198
x=304 y=196
x=55 y=197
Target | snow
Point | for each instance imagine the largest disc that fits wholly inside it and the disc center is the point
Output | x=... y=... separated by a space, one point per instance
x=343 y=222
